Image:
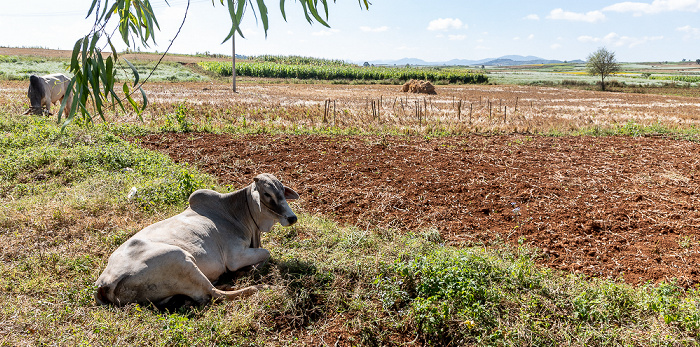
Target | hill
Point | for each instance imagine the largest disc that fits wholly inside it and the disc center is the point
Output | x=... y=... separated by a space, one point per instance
x=506 y=60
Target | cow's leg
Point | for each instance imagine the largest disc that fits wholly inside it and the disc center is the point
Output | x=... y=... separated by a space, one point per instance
x=247 y=256
x=244 y=257
x=156 y=273
x=69 y=102
x=46 y=104
x=195 y=284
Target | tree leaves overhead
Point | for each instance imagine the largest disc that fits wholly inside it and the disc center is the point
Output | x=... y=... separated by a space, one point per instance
x=94 y=69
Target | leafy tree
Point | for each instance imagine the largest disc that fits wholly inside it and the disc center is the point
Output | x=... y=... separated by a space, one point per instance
x=602 y=63
x=94 y=71
x=697 y=61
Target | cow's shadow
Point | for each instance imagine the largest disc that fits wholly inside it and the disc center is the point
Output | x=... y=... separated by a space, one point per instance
x=288 y=273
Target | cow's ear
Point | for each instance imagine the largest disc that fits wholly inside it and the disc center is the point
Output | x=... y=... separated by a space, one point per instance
x=290 y=194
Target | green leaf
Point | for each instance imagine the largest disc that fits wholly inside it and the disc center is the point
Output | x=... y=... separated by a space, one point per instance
x=109 y=78
x=65 y=99
x=236 y=13
x=92 y=7
x=284 y=15
x=85 y=52
x=263 y=14
x=133 y=69
x=145 y=102
x=314 y=11
x=133 y=103
x=74 y=65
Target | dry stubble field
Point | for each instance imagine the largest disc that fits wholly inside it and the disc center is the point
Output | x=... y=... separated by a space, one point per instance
x=603 y=206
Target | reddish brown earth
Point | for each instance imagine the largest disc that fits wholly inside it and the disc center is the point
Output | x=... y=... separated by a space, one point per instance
x=602 y=206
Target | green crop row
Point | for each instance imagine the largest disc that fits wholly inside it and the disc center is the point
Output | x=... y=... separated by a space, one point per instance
x=688 y=79
x=273 y=70
x=298 y=60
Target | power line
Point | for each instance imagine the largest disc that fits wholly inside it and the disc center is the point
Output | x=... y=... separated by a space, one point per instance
x=84 y=12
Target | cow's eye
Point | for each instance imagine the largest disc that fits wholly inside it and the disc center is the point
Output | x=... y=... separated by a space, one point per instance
x=267 y=195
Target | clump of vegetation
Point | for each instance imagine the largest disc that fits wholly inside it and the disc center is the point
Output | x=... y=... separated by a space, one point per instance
x=36 y=158
x=166 y=72
x=344 y=72
x=178 y=120
x=676 y=78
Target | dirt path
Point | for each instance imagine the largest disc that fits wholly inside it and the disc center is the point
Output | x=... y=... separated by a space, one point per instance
x=608 y=206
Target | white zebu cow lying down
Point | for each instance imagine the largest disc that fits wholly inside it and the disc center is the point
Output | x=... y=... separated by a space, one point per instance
x=183 y=254
x=46 y=90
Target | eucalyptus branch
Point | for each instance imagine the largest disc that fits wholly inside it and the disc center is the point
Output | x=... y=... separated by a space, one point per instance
x=94 y=76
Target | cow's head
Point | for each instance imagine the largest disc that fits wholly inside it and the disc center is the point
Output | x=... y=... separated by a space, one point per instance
x=35 y=94
x=273 y=196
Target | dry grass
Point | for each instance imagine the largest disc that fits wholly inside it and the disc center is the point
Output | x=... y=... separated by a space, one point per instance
x=456 y=109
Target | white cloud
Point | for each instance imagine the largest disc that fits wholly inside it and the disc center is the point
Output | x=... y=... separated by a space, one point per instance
x=457 y=37
x=656 y=6
x=590 y=17
x=325 y=32
x=555 y=46
x=444 y=24
x=691 y=33
x=588 y=39
x=532 y=17
x=374 y=30
x=531 y=36
x=517 y=38
x=614 y=39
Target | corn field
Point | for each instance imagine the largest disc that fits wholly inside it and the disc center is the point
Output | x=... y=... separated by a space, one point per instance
x=274 y=70
x=298 y=60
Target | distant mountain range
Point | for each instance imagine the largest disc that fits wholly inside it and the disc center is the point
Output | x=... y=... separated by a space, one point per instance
x=506 y=60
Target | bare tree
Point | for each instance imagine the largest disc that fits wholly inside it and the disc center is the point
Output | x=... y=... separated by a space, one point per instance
x=602 y=63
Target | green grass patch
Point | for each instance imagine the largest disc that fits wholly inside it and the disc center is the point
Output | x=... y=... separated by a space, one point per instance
x=634 y=129
x=166 y=72
x=37 y=159
x=20 y=68
x=677 y=78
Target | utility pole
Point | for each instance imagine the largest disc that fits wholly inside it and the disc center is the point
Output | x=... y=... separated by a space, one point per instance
x=233 y=61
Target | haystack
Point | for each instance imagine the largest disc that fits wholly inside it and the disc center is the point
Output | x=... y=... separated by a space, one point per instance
x=419 y=86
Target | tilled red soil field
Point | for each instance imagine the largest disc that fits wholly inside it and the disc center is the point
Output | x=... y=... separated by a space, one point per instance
x=602 y=206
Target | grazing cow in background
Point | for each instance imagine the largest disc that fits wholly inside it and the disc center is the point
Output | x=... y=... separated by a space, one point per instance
x=184 y=254
x=46 y=90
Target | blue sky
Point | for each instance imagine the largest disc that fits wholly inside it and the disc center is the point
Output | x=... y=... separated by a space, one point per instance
x=657 y=30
